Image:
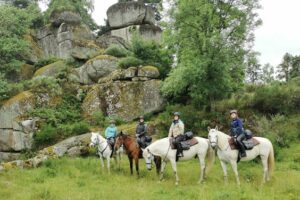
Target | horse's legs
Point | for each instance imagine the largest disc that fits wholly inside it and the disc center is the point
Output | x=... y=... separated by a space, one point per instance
x=108 y=163
x=157 y=161
x=234 y=168
x=224 y=167
x=202 y=167
x=101 y=159
x=163 y=166
x=173 y=163
x=264 y=160
x=130 y=162
x=136 y=160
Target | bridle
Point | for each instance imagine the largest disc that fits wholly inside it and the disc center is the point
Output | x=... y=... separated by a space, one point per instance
x=98 y=143
x=149 y=163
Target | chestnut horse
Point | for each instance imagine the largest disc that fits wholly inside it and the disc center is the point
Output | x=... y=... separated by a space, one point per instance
x=134 y=152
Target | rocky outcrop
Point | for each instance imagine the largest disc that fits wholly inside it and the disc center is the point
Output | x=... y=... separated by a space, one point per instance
x=125 y=14
x=127 y=18
x=69 y=17
x=96 y=68
x=51 y=70
x=126 y=95
x=148 y=32
x=67 y=41
x=14 y=133
x=12 y=137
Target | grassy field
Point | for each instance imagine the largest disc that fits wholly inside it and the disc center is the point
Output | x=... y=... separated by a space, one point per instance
x=83 y=178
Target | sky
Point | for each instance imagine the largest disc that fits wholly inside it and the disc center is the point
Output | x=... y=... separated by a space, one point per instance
x=280 y=32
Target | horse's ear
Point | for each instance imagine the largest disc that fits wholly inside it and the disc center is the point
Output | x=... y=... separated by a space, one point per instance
x=208 y=128
x=142 y=149
x=217 y=128
x=121 y=133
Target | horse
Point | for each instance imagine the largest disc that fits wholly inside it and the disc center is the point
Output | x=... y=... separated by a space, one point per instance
x=163 y=149
x=133 y=152
x=104 y=150
x=226 y=155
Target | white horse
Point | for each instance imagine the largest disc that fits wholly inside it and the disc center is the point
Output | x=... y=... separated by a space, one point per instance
x=104 y=150
x=264 y=149
x=162 y=148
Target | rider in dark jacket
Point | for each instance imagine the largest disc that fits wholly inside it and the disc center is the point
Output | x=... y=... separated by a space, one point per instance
x=237 y=131
x=141 y=131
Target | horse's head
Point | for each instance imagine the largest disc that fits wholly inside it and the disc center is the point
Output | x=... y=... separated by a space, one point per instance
x=94 y=139
x=213 y=136
x=148 y=156
x=120 y=140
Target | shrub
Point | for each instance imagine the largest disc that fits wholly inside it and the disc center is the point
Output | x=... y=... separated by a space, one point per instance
x=116 y=51
x=97 y=119
x=45 y=61
x=278 y=98
x=45 y=85
x=130 y=61
x=47 y=135
x=76 y=128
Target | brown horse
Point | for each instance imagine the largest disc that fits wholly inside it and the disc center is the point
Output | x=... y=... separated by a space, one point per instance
x=134 y=152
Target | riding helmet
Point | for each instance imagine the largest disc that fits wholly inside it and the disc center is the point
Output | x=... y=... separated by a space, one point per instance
x=176 y=114
x=233 y=111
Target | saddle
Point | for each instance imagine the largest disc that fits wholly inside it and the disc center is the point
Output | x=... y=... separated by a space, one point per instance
x=184 y=144
x=248 y=143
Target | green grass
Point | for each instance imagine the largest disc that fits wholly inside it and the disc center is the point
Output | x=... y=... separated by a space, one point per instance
x=83 y=178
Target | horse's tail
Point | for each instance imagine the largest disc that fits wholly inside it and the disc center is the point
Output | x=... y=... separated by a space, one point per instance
x=210 y=158
x=271 y=160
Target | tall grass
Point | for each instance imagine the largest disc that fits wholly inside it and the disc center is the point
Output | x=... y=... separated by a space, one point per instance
x=83 y=178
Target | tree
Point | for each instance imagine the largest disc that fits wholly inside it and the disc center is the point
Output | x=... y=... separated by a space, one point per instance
x=285 y=67
x=15 y=23
x=83 y=7
x=268 y=73
x=253 y=68
x=210 y=39
x=295 y=71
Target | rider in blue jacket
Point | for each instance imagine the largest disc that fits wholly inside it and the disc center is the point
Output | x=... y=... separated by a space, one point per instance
x=111 y=133
x=237 y=131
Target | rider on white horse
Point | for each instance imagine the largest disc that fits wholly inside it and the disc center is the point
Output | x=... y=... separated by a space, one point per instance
x=177 y=132
x=111 y=133
x=237 y=131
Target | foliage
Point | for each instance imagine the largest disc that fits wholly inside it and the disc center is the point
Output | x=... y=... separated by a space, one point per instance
x=278 y=98
x=151 y=53
x=129 y=61
x=83 y=7
x=45 y=61
x=46 y=135
x=4 y=88
x=116 y=51
x=48 y=85
x=98 y=119
x=15 y=23
x=253 y=68
x=289 y=67
x=210 y=39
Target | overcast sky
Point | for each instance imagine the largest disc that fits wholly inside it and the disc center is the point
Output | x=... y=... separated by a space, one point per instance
x=280 y=32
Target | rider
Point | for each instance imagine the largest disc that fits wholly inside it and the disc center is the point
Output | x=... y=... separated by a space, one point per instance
x=111 y=133
x=237 y=130
x=177 y=131
x=140 y=132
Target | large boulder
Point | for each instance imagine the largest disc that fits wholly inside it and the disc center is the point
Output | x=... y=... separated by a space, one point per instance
x=148 y=72
x=148 y=32
x=12 y=137
x=108 y=40
x=96 y=68
x=67 y=41
x=125 y=14
x=125 y=99
x=69 y=17
x=8 y=156
x=51 y=70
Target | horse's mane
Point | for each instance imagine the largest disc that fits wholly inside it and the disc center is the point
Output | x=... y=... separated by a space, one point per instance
x=222 y=139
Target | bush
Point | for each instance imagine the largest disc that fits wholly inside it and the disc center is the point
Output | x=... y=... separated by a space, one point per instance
x=130 y=61
x=97 y=119
x=77 y=128
x=47 y=135
x=116 y=51
x=45 y=61
x=278 y=98
x=45 y=85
